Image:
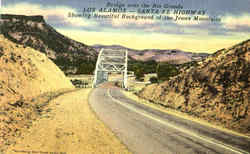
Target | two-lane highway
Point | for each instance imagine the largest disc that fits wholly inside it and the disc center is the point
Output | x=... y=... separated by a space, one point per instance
x=148 y=131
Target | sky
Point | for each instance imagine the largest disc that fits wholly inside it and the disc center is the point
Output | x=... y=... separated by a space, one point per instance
x=230 y=26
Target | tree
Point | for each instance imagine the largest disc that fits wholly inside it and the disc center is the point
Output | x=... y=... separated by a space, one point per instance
x=139 y=74
x=147 y=66
x=165 y=71
x=86 y=68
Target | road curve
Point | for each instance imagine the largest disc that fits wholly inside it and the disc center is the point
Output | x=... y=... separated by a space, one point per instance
x=148 y=131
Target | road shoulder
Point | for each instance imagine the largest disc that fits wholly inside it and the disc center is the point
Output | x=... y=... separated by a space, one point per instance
x=179 y=114
x=70 y=127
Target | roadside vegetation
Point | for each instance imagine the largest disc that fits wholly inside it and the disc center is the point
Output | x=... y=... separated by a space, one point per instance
x=82 y=66
x=164 y=70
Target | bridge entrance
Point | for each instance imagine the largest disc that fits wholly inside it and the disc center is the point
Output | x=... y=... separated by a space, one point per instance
x=111 y=61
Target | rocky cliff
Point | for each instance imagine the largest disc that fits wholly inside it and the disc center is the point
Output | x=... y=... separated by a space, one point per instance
x=34 y=32
x=218 y=89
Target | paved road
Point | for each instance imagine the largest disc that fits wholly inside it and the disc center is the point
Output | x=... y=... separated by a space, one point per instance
x=147 y=131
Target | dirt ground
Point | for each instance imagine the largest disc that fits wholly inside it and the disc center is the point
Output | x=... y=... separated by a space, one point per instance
x=70 y=127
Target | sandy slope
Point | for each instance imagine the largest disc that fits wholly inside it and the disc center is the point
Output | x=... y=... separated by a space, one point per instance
x=70 y=127
x=26 y=73
x=28 y=79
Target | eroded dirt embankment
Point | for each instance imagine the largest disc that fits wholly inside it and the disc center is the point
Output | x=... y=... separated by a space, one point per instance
x=17 y=118
x=28 y=80
x=217 y=90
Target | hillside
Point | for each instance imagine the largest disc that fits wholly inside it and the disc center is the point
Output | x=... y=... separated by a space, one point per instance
x=217 y=90
x=171 y=56
x=34 y=32
x=26 y=75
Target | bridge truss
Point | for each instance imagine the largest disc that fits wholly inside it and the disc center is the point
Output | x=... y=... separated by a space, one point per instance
x=110 y=61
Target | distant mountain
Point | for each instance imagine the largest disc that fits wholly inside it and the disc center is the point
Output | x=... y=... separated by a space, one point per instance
x=159 y=55
x=218 y=89
x=34 y=32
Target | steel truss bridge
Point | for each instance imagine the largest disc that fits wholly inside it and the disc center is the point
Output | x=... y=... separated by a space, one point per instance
x=111 y=61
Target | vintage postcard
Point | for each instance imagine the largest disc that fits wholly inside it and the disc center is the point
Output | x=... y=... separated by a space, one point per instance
x=124 y=76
